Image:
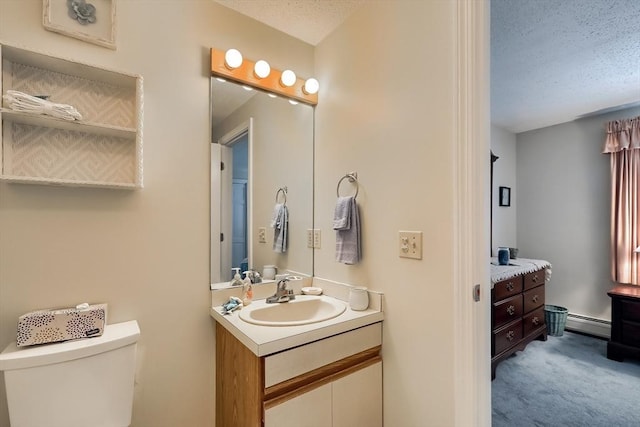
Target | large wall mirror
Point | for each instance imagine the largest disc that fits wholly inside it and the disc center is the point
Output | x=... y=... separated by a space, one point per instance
x=265 y=144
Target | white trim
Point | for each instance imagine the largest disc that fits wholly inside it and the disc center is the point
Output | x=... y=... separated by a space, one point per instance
x=471 y=243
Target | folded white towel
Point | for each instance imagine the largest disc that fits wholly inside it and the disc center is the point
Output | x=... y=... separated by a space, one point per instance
x=19 y=101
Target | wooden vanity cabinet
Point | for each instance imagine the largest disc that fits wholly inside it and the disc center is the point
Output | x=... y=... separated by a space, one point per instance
x=517 y=315
x=334 y=382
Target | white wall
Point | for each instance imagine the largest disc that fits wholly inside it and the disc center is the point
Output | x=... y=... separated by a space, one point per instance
x=386 y=111
x=503 y=145
x=145 y=253
x=564 y=210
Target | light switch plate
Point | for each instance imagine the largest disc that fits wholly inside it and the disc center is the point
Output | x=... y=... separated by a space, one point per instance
x=310 y=238
x=316 y=238
x=410 y=244
x=262 y=235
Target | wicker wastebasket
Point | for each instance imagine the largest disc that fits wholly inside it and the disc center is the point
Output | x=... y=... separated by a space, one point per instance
x=556 y=319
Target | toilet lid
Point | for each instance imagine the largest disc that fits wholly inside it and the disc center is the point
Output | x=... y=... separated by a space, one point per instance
x=114 y=336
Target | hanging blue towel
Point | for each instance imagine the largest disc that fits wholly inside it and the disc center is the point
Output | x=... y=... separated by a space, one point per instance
x=346 y=222
x=280 y=224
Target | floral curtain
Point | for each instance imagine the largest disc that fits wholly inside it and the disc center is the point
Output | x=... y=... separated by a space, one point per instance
x=623 y=145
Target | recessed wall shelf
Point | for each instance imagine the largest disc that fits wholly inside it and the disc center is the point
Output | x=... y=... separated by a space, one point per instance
x=102 y=150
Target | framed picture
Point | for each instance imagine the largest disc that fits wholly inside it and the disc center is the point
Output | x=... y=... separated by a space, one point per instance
x=505 y=196
x=93 y=21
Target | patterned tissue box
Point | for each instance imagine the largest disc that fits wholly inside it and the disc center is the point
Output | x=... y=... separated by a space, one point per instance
x=46 y=326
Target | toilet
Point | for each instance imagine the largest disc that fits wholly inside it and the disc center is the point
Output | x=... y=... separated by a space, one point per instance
x=80 y=383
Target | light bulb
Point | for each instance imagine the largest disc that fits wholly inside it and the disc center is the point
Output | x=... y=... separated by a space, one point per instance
x=247 y=88
x=272 y=95
x=261 y=69
x=288 y=78
x=311 y=86
x=233 y=58
x=292 y=102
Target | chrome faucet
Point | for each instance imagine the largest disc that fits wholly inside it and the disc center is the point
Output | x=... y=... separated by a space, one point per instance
x=282 y=293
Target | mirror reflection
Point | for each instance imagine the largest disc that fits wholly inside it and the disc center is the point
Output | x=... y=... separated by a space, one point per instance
x=261 y=146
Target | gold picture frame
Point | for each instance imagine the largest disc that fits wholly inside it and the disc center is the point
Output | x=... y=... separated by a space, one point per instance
x=99 y=28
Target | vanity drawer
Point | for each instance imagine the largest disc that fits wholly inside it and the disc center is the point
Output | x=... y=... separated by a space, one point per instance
x=531 y=280
x=507 y=310
x=507 y=288
x=532 y=321
x=283 y=366
x=630 y=310
x=507 y=336
x=533 y=298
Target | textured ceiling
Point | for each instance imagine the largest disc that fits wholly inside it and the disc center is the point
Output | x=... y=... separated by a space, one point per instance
x=307 y=20
x=555 y=60
x=552 y=61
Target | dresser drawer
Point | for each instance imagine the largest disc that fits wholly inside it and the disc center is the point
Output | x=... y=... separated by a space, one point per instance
x=507 y=310
x=630 y=310
x=507 y=336
x=531 y=280
x=532 y=321
x=533 y=299
x=507 y=288
x=631 y=333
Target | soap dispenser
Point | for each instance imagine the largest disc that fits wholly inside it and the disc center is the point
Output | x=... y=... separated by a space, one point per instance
x=237 y=280
x=247 y=289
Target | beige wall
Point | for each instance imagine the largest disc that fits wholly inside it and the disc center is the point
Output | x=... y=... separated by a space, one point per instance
x=503 y=145
x=145 y=253
x=386 y=111
x=564 y=186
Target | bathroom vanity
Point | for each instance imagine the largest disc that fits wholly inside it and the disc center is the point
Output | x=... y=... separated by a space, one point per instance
x=279 y=376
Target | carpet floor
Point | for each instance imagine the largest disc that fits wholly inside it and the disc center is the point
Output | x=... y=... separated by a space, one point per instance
x=566 y=381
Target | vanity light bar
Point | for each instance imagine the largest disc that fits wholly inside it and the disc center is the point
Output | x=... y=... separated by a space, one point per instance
x=244 y=74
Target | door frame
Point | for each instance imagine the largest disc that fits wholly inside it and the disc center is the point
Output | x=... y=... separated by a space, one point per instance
x=472 y=353
x=217 y=195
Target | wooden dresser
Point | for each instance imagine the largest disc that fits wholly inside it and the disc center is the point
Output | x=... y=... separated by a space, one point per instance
x=625 y=322
x=517 y=315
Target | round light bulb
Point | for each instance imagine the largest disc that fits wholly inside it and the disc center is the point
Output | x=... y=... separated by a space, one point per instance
x=271 y=95
x=292 y=102
x=261 y=69
x=288 y=78
x=233 y=58
x=247 y=88
x=311 y=86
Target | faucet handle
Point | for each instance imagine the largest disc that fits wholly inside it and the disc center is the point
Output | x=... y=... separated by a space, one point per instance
x=282 y=284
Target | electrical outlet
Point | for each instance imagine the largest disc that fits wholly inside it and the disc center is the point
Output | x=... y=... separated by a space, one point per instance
x=410 y=244
x=262 y=235
x=309 y=238
x=316 y=238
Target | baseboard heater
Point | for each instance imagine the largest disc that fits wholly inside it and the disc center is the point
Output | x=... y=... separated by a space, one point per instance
x=588 y=325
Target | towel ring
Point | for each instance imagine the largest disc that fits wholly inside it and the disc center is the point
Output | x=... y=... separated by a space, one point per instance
x=282 y=190
x=352 y=177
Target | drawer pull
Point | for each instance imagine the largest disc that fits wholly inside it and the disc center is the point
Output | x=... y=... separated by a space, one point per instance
x=535 y=298
x=511 y=335
x=511 y=310
x=535 y=279
x=535 y=320
x=510 y=286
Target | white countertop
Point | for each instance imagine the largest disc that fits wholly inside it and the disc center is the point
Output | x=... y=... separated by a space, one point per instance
x=265 y=340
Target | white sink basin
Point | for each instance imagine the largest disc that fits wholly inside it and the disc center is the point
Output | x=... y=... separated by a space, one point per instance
x=303 y=310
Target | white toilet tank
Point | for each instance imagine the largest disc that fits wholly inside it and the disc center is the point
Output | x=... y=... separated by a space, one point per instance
x=82 y=383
